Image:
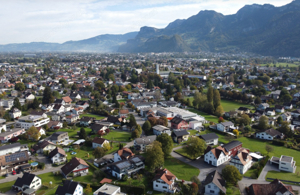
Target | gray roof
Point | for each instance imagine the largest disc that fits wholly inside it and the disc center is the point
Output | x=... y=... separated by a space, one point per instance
x=8 y=146
x=286 y=158
x=216 y=178
x=209 y=136
x=160 y=128
x=8 y=132
x=146 y=140
x=228 y=123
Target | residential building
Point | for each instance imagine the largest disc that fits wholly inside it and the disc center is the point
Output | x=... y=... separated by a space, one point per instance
x=109 y=189
x=242 y=161
x=98 y=142
x=43 y=146
x=286 y=116
x=126 y=167
x=58 y=137
x=123 y=154
x=77 y=166
x=180 y=135
x=243 y=110
x=275 y=187
x=72 y=118
x=12 y=148
x=214 y=184
x=159 y=129
x=15 y=113
x=179 y=123
x=13 y=161
x=285 y=163
x=86 y=121
x=57 y=156
x=269 y=134
x=123 y=113
x=216 y=156
x=140 y=144
x=28 y=184
x=210 y=138
x=11 y=133
x=225 y=126
x=195 y=125
x=97 y=127
x=32 y=120
x=164 y=181
x=70 y=187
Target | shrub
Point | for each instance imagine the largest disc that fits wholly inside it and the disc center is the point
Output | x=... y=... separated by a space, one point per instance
x=278 y=143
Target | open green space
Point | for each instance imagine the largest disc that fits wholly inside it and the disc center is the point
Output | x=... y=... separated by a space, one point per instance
x=181 y=169
x=282 y=175
x=232 y=190
x=98 y=117
x=183 y=153
x=193 y=132
x=231 y=105
x=122 y=100
x=114 y=135
x=208 y=117
x=250 y=172
x=4 y=187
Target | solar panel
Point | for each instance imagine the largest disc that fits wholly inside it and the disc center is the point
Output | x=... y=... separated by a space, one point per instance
x=123 y=164
x=15 y=156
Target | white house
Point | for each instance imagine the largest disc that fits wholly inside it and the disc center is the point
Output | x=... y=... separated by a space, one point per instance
x=98 y=142
x=242 y=161
x=210 y=138
x=12 y=148
x=225 y=126
x=69 y=188
x=32 y=120
x=57 y=156
x=15 y=113
x=43 y=146
x=195 y=124
x=28 y=183
x=286 y=116
x=164 y=181
x=123 y=154
x=269 y=134
x=285 y=163
x=77 y=166
x=216 y=156
x=159 y=129
x=109 y=190
x=2 y=125
x=214 y=184
x=143 y=142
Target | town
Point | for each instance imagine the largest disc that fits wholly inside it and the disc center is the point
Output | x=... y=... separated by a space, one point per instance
x=149 y=123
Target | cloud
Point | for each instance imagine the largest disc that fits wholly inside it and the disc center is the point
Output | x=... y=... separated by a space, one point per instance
x=60 y=21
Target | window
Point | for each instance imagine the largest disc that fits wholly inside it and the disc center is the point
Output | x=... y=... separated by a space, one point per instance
x=211 y=191
x=156 y=185
x=164 y=187
x=208 y=186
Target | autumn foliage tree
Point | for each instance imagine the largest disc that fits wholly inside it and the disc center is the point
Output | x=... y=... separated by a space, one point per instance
x=221 y=119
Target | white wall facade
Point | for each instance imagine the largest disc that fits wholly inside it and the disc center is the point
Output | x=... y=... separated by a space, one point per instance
x=212 y=189
x=161 y=186
x=263 y=135
x=211 y=159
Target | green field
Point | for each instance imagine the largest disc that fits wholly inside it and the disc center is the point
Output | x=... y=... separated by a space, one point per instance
x=4 y=187
x=284 y=175
x=295 y=64
x=180 y=169
x=114 y=135
x=231 y=105
x=183 y=153
x=193 y=132
x=207 y=116
x=122 y=100
x=93 y=115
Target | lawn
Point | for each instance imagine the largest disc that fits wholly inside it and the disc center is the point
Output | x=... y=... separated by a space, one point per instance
x=98 y=117
x=231 y=105
x=71 y=132
x=114 y=135
x=207 y=116
x=284 y=175
x=183 y=153
x=283 y=64
x=181 y=169
x=249 y=173
x=232 y=190
x=84 y=153
x=193 y=132
x=122 y=100
x=4 y=187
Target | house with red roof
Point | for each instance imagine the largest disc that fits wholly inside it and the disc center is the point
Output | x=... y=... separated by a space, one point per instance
x=164 y=181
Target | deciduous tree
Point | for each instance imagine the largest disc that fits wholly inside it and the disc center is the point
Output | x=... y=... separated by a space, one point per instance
x=263 y=123
x=231 y=174
x=155 y=156
x=33 y=133
x=195 y=147
x=216 y=99
x=166 y=142
x=147 y=127
x=98 y=152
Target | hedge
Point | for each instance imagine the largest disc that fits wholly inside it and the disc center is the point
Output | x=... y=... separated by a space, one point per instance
x=132 y=189
x=277 y=143
x=262 y=164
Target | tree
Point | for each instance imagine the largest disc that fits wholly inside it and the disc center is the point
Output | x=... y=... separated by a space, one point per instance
x=99 y=152
x=178 y=96
x=286 y=98
x=20 y=87
x=269 y=148
x=263 y=123
x=139 y=129
x=35 y=104
x=231 y=174
x=65 y=124
x=17 y=103
x=165 y=121
x=285 y=129
x=106 y=146
x=99 y=85
x=47 y=96
x=210 y=94
x=221 y=119
x=82 y=133
x=150 y=84
x=194 y=188
x=166 y=142
x=244 y=120
x=88 y=189
x=235 y=132
x=153 y=121
x=33 y=133
x=135 y=134
x=257 y=100
x=132 y=121
x=216 y=98
x=155 y=156
x=74 y=87
x=196 y=180
x=219 y=111
x=195 y=147
x=147 y=127
x=279 y=120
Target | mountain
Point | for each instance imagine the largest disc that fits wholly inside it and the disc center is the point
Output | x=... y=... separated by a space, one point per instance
x=101 y=43
x=263 y=29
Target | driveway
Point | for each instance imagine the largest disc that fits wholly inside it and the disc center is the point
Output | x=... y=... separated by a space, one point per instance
x=200 y=164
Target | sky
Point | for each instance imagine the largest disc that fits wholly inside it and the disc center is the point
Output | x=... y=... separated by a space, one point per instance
x=24 y=21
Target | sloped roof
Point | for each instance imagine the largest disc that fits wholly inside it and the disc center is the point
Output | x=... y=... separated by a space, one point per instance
x=270 y=189
x=67 y=99
x=216 y=178
x=99 y=140
x=56 y=151
x=165 y=175
x=72 y=164
x=68 y=187
x=176 y=120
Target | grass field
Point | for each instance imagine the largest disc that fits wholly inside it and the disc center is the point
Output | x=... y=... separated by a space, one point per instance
x=193 y=132
x=207 y=116
x=122 y=100
x=118 y=136
x=296 y=64
x=4 y=187
x=284 y=175
x=231 y=105
x=183 y=153
x=232 y=190
x=93 y=115
x=180 y=169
